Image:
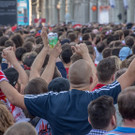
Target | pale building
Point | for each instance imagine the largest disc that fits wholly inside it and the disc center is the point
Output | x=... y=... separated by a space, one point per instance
x=80 y=11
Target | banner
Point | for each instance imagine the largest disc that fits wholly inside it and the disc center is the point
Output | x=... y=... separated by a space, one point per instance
x=8 y=12
x=23 y=12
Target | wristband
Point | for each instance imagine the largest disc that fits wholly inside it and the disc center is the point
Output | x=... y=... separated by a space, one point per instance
x=3 y=77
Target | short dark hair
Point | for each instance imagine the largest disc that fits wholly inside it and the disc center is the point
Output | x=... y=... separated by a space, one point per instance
x=120 y=72
x=129 y=41
x=105 y=69
x=28 y=46
x=88 y=43
x=75 y=57
x=133 y=49
x=20 y=51
x=115 y=51
x=38 y=40
x=126 y=33
x=32 y=39
x=9 y=43
x=126 y=103
x=66 y=54
x=28 y=58
x=18 y=40
x=72 y=37
x=3 y=39
x=86 y=37
x=107 y=52
x=36 y=86
x=100 y=47
x=100 y=112
x=110 y=39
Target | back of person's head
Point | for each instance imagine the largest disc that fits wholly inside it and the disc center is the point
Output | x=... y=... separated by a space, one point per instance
x=6 y=118
x=75 y=57
x=120 y=34
x=66 y=54
x=120 y=72
x=20 y=51
x=98 y=39
x=129 y=60
x=36 y=86
x=9 y=43
x=18 y=40
x=129 y=41
x=38 y=40
x=133 y=49
x=31 y=39
x=59 y=84
x=88 y=43
x=126 y=103
x=28 y=46
x=28 y=58
x=109 y=39
x=72 y=37
x=115 y=51
x=100 y=112
x=86 y=37
x=117 y=62
x=80 y=73
x=107 y=52
x=21 y=129
x=100 y=47
x=92 y=36
x=106 y=69
x=92 y=52
x=3 y=39
x=126 y=33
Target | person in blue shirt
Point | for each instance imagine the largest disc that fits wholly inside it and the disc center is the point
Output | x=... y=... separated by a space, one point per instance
x=126 y=105
x=67 y=111
x=101 y=115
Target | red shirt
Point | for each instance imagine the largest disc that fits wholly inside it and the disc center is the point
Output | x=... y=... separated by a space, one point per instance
x=98 y=86
x=67 y=70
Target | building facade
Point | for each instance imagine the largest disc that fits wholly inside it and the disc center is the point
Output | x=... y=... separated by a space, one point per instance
x=84 y=11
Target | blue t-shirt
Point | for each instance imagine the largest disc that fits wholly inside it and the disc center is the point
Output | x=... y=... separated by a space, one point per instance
x=66 y=111
x=122 y=131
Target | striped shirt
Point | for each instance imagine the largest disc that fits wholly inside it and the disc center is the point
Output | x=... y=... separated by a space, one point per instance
x=67 y=111
x=97 y=132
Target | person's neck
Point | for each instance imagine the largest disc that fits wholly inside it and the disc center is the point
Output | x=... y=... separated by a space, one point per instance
x=67 y=65
x=80 y=87
x=129 y=123
x=105 y=83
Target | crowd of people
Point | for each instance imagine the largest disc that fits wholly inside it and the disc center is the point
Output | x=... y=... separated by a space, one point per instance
x=84 y=85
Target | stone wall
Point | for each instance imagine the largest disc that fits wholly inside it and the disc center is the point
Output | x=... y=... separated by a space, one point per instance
x=79 y=11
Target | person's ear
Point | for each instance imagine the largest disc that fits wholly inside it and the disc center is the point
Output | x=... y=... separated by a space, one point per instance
x=114 y=121
x=89 y=120
x=91 y=80
x=113 y=77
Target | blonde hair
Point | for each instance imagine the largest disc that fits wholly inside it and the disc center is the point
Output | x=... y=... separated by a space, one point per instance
x=117 y=62
x=6 y=118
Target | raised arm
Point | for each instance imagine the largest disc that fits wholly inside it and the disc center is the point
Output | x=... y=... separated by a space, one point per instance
x=82 y=50
x=39 y=60
x=11 y=93
x=47 y=75
x=9 y=54
x=128 y=78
